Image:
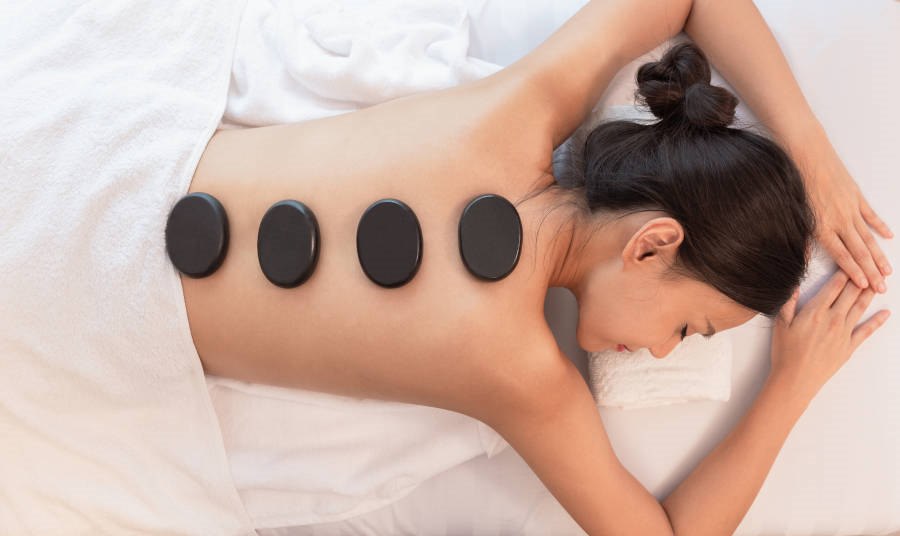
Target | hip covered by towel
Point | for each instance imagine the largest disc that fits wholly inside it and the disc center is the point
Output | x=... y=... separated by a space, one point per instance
x=105 y=418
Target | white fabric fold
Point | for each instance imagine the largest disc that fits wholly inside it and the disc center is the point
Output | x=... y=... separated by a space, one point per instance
x=298 y=61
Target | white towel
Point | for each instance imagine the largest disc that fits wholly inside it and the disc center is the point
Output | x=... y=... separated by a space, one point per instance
x=697 y=369
x=302 y=457
x=105 y=421
x=298 y=61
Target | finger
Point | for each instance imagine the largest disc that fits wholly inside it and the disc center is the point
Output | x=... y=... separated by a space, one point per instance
x=846 y=299
x=829 y=292
x=789 y=309
x=864 y=330
x=859 y=307
x=845 y=260
x=869 y=239
x=863 y=257
x=873 y=219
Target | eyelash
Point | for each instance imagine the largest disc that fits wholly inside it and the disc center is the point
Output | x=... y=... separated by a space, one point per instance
x=684 y=332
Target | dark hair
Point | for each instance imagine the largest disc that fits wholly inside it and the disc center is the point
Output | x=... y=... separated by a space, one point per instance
x=738 y=195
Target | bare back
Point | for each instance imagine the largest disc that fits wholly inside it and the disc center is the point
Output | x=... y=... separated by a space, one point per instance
x=428 y=342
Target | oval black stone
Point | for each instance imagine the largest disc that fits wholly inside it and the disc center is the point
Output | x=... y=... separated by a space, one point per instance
x=287 y=244
x=197 y=234
x=389 y=243
x=490 y=237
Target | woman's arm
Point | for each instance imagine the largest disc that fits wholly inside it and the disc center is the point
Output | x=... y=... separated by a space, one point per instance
x=554 y=425
x=568 y=73
x=567 y=447
x=715 y=497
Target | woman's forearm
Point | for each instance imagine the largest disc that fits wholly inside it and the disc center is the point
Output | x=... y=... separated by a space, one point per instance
x=714 y=498
x=574 y=66
x=739 y=44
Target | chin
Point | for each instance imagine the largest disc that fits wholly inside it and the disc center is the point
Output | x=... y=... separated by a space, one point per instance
x=601 y=348
x=593 y=345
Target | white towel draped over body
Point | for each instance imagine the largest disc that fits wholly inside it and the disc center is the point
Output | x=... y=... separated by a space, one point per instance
x=297 y=61
x=105 y=423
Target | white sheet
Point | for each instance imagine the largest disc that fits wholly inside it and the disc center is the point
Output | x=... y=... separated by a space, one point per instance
x=839 y=470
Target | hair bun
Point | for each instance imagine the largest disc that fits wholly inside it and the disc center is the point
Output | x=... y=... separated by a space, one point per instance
x=677 y=86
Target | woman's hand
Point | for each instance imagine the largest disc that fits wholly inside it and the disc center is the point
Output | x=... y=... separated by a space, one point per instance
x=810 y=345
x=842 y=213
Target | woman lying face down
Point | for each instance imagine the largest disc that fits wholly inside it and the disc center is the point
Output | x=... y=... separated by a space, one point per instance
x=680 y=227
x=660 y=230
x=665 y=230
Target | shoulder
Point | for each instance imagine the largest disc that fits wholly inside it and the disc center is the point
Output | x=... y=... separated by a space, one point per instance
x=519 y=371
x=510 y=118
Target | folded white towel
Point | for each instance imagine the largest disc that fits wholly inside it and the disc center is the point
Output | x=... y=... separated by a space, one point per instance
x=697 y=369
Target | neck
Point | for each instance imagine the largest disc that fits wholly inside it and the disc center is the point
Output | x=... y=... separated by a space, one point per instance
x=567 y=245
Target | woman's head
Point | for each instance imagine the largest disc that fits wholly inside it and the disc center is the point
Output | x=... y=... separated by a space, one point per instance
x=720 y=213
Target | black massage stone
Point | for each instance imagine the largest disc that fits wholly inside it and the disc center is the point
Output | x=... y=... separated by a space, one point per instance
x=389 y=243
x=490 y=237
x=287 y=244
x=197 y=234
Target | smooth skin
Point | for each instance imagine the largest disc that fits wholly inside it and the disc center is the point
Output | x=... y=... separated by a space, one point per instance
x=484 y=349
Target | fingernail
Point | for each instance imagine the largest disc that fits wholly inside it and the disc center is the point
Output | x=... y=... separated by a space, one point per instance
x=865 y=283
x=881 y=287
x=888 y=269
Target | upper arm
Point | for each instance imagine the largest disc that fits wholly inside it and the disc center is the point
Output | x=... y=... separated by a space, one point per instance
x=571 y=69
x=558 y=431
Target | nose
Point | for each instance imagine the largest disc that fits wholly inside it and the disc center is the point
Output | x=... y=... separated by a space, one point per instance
x=662 y=350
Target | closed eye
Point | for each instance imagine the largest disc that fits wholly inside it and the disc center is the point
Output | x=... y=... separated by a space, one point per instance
x=706 y=336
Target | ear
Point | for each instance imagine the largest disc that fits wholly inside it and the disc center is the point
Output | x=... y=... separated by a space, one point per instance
x=657 y=240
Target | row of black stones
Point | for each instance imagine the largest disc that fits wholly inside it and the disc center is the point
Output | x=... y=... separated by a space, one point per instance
x=388 y=239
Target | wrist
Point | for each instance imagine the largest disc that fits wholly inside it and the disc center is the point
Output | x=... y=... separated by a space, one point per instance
x=790 y=387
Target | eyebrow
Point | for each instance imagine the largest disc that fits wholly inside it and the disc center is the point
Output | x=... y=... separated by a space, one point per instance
x=710 y=329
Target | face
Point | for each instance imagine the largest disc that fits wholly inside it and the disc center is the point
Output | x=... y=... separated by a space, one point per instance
x=649 y=313
x=627 y=302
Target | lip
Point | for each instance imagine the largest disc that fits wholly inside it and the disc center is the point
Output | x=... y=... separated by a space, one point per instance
x=622 y=348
